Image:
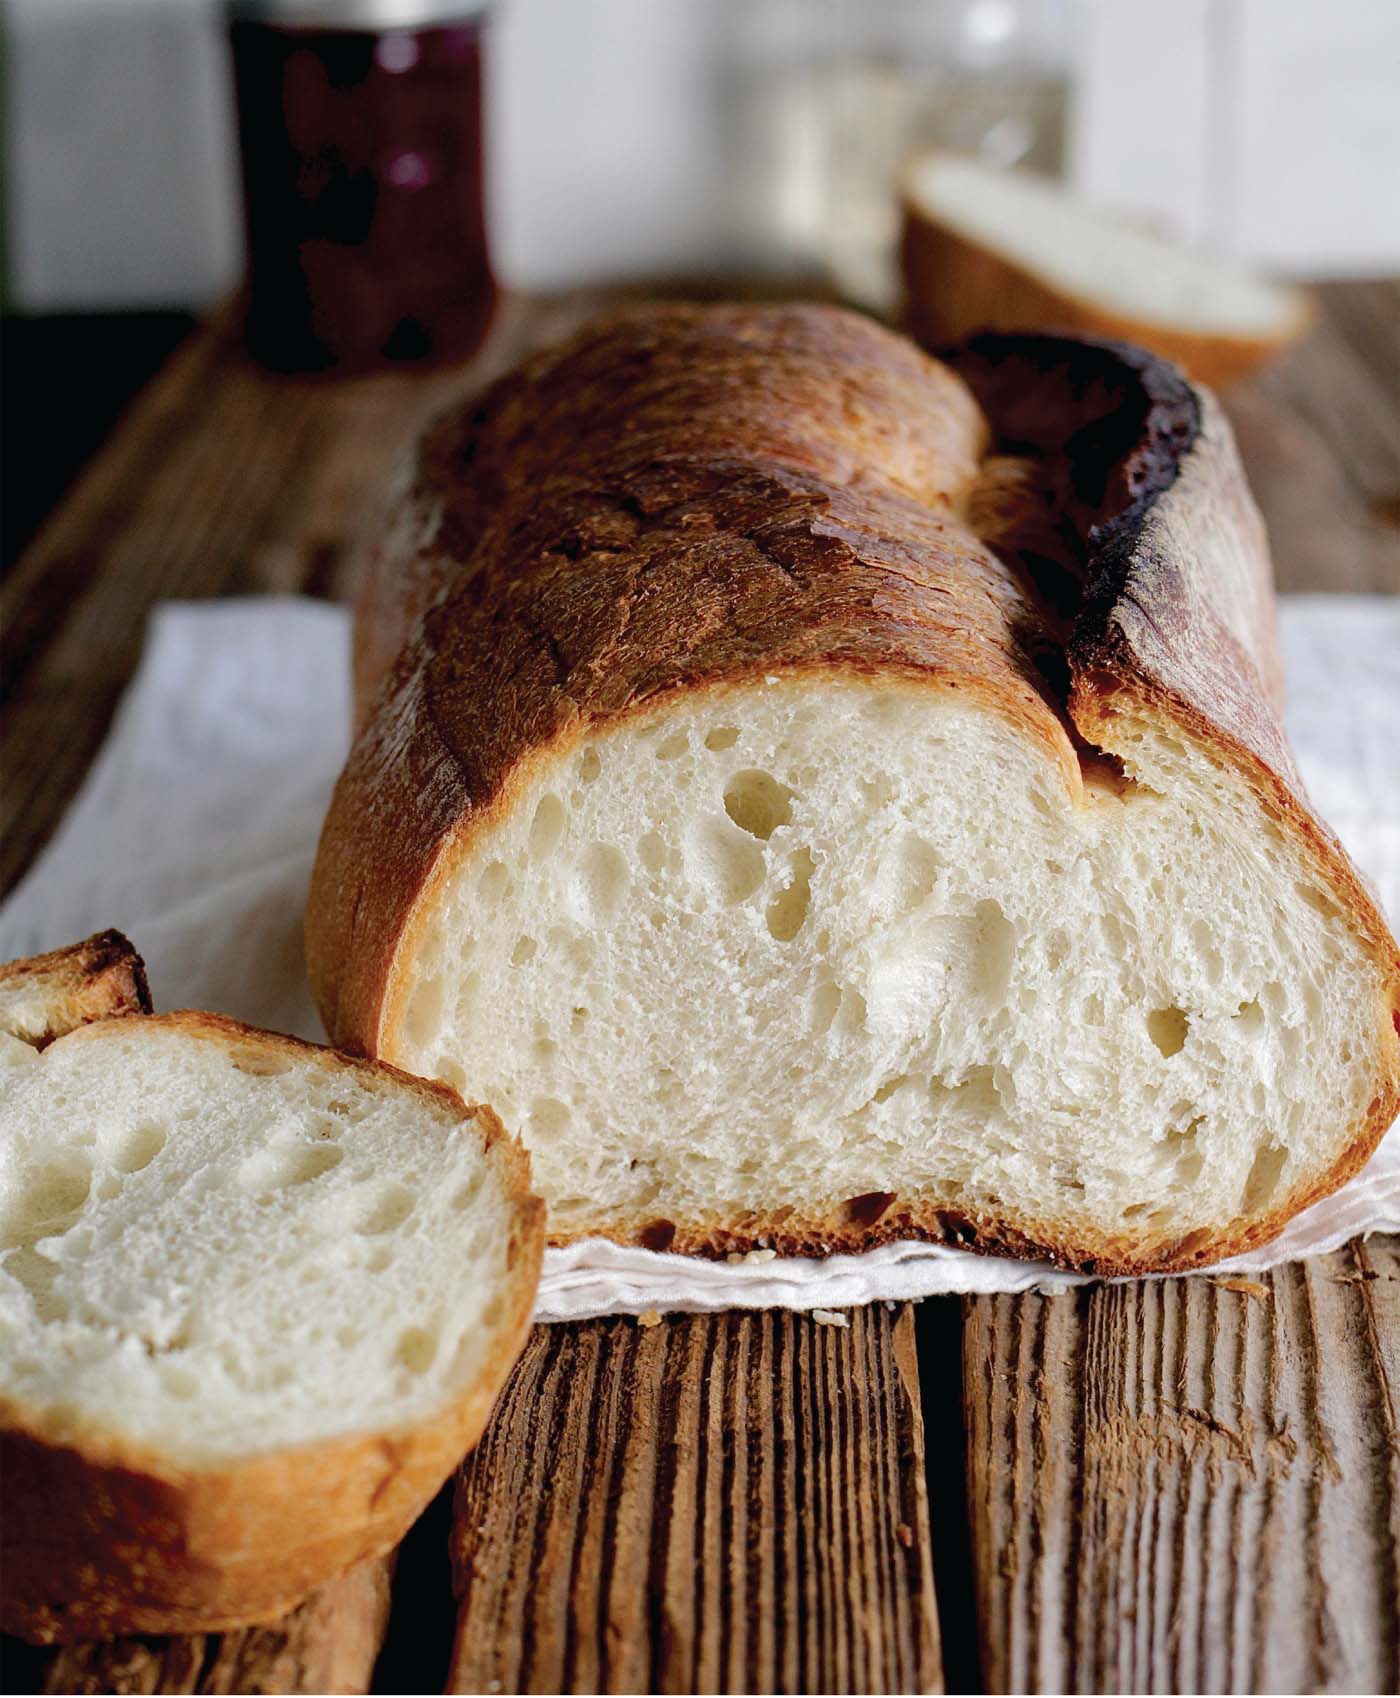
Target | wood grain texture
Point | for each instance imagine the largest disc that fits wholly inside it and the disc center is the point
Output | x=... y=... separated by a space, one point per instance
x=328 y=1644
x=1190 y=1485
x=730 y=1503
x=1319 y=432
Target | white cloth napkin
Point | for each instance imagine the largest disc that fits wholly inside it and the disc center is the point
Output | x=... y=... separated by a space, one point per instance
x=195 y=830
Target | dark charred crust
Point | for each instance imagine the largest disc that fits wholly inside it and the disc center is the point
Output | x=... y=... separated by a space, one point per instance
x=1110 y=425
x=865 y=1210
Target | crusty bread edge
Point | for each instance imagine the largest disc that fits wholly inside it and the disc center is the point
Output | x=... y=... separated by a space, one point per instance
x=140 y=1545
x=97 y=979
x=836 y=1228
x=955 y=286
x=369 y=1002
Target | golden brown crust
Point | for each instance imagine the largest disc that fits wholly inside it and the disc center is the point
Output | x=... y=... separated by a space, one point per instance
x=45 y=996
x=794 y=490
x=757 y=490
x=102 y=1536
x=955 y=287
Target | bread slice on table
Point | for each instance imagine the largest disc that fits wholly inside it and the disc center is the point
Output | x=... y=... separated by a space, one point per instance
x=257 y=1300
x=824 y=796
x=990 y=249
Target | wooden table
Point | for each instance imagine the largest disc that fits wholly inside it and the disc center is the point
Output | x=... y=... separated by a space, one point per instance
x=1184 y=1485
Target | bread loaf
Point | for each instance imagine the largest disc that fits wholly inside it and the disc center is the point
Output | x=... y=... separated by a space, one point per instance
x=256 y=1300
x=989 y=249
x=820 y=796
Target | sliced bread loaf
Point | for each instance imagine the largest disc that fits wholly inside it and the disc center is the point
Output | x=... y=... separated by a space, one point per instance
x=257 y=1300
x=989 y=249
x=824 y=796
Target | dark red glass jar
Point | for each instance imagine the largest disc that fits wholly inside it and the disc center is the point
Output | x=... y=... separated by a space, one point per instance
x=360 y=132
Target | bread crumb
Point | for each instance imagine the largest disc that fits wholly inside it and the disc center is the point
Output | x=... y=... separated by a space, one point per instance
x=830 y=1318
x=649 y=1318
x=905 y=1534
x=740 y=1256
x=1250 y=1287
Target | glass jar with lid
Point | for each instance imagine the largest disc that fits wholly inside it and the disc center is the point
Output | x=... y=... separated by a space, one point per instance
x=360 y=132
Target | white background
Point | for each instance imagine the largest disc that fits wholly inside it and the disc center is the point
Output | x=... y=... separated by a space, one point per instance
x=1270 y=128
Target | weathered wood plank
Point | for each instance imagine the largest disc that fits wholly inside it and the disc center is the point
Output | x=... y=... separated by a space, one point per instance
x=716 y=1503
x=328 y=1644
x=1191 y=1485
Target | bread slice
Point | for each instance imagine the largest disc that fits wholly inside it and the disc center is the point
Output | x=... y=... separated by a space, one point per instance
x=988 y=249
x=825 y=797
x=257 y=1300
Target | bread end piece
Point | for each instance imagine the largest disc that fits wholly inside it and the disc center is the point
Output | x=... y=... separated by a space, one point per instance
x=47 y=996
x=103 y=1534
x=961 y=278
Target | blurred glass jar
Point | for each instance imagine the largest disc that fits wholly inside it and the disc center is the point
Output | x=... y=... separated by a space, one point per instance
x=836 y=94
x=360 y=134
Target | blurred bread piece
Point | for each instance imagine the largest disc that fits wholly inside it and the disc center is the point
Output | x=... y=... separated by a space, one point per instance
x=990 y=249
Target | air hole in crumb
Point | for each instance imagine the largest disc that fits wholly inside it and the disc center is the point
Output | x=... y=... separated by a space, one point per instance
x=1264 y=1174
x=494 y=881
x=388 y=1212
x=138 y=1147
x=451 y=1073
x=658 y=1235
x=465 y=1195
x=548 y=1117
x=996 y=951
x=525 y=949
x=1167 y=1027
x=826 y=999
x=1251 y=1019
x=1315 y=899
x=348 y=1337
x=890 y=1086
x=379 y=1260
x=722 y=737
x=788 y=909
x=416 y=1349
x=865 y=1210
x=547 y=827
x=672 y=747
x=274 y=1170
x=259 y=1063
x=52 y=1199
x=757 y=803
x=732 y=866
x=602 y=882
x=906 y=874
x=425 y=1007
x=651 y=851
x=36 y=1274
x=589 y=765
x=853 y=1012
x=578 y=1019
